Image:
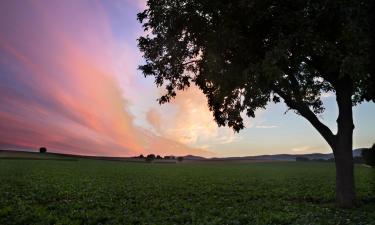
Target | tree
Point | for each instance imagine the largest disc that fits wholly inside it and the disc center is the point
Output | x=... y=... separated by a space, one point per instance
x=369 y=156
x=158 y=157
x=180 y=158
x=150 y=157
x=169 y=157
x=245 y=54
x=42 y=149
x=141 y=156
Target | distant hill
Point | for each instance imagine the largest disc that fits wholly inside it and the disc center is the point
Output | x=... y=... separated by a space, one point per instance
x=276 y=157
x=10 y=154
x=358 y=152
x=193 y=157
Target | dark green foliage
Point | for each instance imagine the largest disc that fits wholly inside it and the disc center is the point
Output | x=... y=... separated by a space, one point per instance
x=42 y=149
x=369 y=156
x=243 y=54
x=88 y=192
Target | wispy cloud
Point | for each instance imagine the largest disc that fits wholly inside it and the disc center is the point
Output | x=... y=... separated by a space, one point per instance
x=61 y=88
x=307 y=149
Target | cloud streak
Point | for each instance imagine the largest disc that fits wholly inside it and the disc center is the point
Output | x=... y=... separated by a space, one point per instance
x=61 y=89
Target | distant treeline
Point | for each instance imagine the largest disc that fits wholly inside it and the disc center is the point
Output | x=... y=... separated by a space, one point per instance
x=152 y=157
x=367 y=157
x=356 y=159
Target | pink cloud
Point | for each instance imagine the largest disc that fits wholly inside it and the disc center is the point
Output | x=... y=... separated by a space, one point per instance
x=70 y=100
x=153 y=117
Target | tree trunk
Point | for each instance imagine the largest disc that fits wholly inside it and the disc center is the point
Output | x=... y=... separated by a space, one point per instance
x=345 y=188
x=341 y=143
x=343 y=149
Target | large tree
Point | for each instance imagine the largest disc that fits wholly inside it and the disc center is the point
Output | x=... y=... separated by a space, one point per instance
x=244 y=54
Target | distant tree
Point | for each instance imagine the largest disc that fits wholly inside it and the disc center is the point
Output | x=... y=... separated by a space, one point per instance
x=368 y=156
x=150 y=158
x=245 y=54
x=180 y=158
x=141 y=156
x=302 y=159
x=158 y=157
x=42 y=149
x=169 y=157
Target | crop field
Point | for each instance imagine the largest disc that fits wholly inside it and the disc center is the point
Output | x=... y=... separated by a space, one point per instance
x=86 y=191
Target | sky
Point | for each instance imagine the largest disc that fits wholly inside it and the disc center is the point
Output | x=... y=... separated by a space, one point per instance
x=69 y=82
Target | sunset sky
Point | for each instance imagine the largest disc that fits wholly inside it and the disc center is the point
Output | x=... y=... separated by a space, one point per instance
x=69 y=81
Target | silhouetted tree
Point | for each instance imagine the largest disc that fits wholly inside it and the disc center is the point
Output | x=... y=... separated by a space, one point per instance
x=169 y=157
x=245 y=54
x=141 y=156
x=368 y=156
x=42 y=149
x=150 y=158
x=158 y=157
x=180 y=158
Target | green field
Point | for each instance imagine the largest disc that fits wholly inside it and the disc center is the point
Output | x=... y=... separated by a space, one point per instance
x=88 y=191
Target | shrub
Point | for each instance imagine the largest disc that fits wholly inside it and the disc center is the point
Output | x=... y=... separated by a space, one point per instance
x=42 y=149
x=158 y=157
x=180 y=158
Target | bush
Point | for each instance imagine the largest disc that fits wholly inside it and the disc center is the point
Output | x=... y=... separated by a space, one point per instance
x=141 y=156
x=368 y=156
x=158 y=157
x=180 y=158
x=42 y=149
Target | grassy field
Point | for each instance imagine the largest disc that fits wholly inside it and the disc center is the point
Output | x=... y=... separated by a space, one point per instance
x=88 y=191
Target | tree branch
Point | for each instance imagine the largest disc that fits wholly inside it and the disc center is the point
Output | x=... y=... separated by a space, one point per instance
x=191 y=61
x=305 y=111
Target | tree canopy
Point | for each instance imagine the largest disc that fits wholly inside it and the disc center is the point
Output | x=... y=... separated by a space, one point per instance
x=245 y=53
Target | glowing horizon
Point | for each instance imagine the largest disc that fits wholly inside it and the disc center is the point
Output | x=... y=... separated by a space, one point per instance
x=69 y=81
